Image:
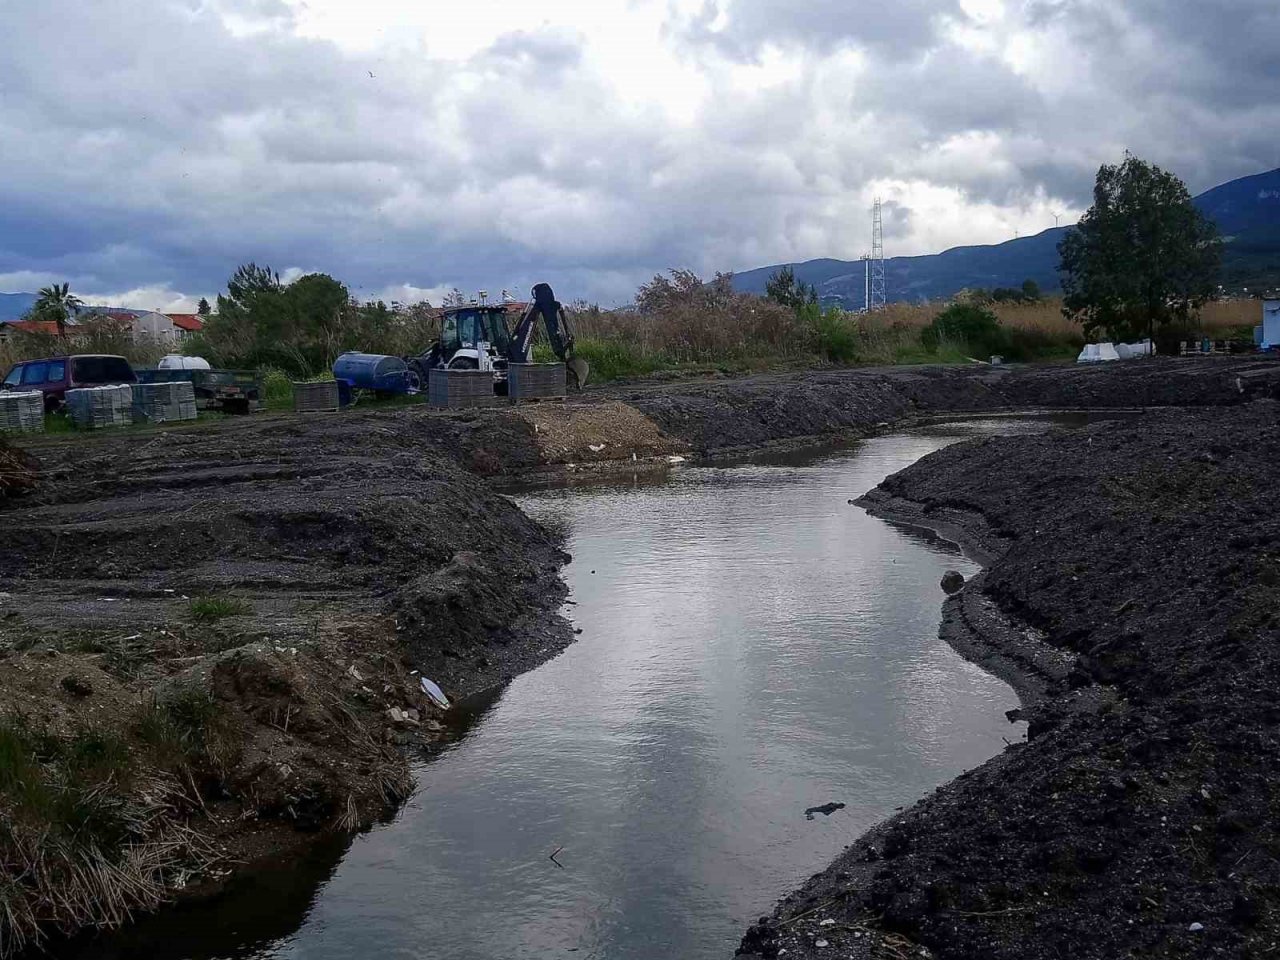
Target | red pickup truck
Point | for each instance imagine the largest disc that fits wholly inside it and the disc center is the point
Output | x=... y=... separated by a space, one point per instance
x=54 y=376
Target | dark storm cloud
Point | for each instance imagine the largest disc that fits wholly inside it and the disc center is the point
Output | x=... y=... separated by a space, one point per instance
x=172 y=148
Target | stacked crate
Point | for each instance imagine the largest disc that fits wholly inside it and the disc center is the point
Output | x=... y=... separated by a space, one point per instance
x=164 y=402
x=460 y=388
x=93 y=408
x=535 y=381
x=319 y=397
x=22 y=412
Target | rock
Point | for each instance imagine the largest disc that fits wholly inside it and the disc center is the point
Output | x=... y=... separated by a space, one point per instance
x=826 y=809
x=952 y=581
x=1196 y=927
x=821 y=943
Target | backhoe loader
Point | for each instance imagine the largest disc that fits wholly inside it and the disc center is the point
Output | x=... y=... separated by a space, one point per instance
x=475 y=336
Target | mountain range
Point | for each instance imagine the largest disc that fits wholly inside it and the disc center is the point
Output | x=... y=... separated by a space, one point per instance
x=1247 y=212
x=14 y=305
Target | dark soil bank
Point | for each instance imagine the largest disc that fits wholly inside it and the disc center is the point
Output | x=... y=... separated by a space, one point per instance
x=727 y=415
x=1141 y=817
x=230 y=624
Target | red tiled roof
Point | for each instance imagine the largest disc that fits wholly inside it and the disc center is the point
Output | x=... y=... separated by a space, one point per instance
x=127 y=315
x=46 y=327
x=190 y=322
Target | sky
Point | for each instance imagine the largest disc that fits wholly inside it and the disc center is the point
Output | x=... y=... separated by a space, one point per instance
x=148 y=147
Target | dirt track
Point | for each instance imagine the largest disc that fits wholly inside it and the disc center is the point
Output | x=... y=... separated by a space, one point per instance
x=364 y=546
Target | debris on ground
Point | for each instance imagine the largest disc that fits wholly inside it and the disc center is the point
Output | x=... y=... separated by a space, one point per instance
x=17 y=471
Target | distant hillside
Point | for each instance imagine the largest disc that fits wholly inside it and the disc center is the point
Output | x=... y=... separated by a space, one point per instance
x=14 y=305
x=1247 y=212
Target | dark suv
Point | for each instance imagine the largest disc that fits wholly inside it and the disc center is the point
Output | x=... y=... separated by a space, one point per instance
x=54 y=376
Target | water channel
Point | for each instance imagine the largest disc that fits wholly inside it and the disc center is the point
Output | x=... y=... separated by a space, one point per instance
x=752 y=645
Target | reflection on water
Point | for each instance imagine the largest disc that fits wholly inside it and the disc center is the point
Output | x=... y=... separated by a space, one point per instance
x=752 y=645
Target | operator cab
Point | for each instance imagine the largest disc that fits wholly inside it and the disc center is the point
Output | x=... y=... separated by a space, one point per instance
x=464 y=328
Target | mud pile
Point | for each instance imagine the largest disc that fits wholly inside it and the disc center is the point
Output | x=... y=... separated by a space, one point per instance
x=1141 y=822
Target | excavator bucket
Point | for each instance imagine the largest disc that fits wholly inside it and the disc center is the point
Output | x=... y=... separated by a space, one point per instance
x=579 y=369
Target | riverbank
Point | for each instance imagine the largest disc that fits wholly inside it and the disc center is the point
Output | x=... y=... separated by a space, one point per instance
x=213 y=641
x=213 y=635
x=1138 y=818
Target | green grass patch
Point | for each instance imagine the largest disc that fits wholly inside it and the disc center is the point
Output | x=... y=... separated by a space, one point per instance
x=74 y=834
x=179 y=729
x=210 y=609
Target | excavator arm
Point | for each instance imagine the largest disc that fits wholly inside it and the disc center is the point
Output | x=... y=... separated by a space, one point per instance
x=559 y=334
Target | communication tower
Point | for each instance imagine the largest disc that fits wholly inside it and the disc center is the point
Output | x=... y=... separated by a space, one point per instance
x=876 y=300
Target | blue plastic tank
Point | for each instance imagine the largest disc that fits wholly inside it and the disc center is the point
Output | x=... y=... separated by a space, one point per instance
x=372 y=371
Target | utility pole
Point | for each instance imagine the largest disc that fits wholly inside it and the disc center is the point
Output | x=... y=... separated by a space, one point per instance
x=876 y=297
x=866 y=275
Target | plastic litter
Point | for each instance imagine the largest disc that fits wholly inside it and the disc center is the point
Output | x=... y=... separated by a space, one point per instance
x=435 y=694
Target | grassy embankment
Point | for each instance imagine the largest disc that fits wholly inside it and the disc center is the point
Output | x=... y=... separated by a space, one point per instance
x=92 y=814
x=626 y=345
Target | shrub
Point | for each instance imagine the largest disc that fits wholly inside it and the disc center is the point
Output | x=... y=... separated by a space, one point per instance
x=208 y=609
x=969 y=324
x=834 y=333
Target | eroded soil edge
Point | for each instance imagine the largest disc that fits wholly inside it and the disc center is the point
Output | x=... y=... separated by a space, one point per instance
x=1139 y=818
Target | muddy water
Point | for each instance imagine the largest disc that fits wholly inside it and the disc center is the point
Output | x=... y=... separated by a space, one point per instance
x=752 y=645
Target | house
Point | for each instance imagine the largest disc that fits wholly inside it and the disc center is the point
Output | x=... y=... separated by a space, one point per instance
x=185 y=324
x=45 y=328
x=155 y=326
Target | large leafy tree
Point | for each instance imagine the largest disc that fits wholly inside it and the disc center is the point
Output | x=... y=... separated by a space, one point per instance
x=58 y=304
x=1142 y=257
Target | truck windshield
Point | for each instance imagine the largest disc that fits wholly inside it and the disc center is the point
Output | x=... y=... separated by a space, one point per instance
x=102 y=370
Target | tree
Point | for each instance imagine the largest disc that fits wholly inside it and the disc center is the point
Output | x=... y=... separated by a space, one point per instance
x=1142 y=257
x=1031 y=291
x=782 y=288
x=203 y=308
x=56 y=303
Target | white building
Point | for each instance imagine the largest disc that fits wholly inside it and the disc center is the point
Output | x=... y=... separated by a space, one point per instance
x=1270 y=324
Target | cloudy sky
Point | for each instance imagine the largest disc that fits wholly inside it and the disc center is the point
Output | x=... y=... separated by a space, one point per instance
x=147 y=147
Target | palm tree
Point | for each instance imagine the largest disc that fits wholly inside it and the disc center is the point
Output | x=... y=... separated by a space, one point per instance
x=57 y=303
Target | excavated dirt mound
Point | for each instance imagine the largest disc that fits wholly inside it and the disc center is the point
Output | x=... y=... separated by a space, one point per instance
x=1147 y=551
